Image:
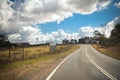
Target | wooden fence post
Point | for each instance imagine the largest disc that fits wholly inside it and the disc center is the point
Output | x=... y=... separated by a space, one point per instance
x=23 y=55
x=9 y=53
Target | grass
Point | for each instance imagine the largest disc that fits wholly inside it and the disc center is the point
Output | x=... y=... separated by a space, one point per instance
x=16 y=70
x=112 y=51
x=29 y=52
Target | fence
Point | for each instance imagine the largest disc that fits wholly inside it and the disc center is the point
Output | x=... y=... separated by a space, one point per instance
x=24 y=53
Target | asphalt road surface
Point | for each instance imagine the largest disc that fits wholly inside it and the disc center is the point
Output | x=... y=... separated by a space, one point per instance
x=86 y=63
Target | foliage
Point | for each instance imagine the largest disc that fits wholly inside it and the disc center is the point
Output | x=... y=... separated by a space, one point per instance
x=4 y=44
x=4 y=41
x=103 y=40
x=113 y=40
x=97 y=34
x=115 y=35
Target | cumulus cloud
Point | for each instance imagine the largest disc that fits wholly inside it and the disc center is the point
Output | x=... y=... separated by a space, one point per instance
x=102 y=4
x=35 y=35
x=117 y=5
x=110 y=26
x=86 y=31
x=17 y=16
x=88 y=6
x=27 y=12
x=105 y=29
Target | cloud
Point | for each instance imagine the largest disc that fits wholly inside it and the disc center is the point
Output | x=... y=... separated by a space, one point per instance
x=31 y=12
x=86 y=31
x=17 y=16
x=87 y=6
x=102 y=4
x=35 y=35
x=26 y=34
x=105 y=29
x=117 y=5
x=110 y=26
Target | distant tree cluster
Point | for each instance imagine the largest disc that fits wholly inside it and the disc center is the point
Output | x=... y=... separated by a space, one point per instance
x=72 y=41
x=84 y=40
x=114 y=38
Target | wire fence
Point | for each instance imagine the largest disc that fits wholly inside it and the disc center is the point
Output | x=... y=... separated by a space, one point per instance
x=9 y=55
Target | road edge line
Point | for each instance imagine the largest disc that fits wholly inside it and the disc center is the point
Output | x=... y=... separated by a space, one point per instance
x=51 y=74
x=100 y=68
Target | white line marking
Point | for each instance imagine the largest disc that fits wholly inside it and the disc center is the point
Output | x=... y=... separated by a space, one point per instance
x=49 y=77
x=100 y=68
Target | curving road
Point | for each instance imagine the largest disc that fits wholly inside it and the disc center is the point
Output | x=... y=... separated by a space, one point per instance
x=86 y=63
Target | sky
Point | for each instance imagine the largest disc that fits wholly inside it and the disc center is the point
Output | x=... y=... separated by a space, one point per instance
x=40 y=21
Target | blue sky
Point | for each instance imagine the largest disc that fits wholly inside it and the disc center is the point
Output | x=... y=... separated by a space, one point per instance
x=37 y=21
x=73 y=23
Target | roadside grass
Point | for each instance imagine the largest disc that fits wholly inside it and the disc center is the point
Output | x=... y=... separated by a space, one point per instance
x=112 y=51
x=17 y=69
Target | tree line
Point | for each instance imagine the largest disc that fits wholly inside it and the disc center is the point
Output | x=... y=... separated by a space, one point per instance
x=113 y=40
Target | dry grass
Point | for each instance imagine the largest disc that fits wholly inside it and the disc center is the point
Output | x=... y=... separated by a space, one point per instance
x=16 y=70
x=39 y=49
x=112 y=51
x=29 y=52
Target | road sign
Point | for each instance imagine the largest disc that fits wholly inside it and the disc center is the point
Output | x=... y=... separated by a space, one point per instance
x=52 y=47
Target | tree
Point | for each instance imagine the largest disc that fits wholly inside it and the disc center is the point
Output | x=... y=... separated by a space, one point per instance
x=115 y=35
x=4 y=41
x=65 y=41
x=97 y=35
x=101 y=38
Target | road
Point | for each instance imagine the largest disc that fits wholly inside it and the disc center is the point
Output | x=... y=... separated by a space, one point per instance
x=86 y=63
